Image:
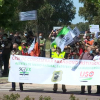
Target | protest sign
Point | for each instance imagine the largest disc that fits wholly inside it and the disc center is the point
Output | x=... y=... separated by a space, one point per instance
x=28 y=15
x=94 y=28
x=57 y=27
x=27 y=69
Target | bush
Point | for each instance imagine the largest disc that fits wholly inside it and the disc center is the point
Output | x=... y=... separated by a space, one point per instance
x=11 y=97
x=72 y=97
x=17 y=96
x=45 y=98
x=28 y=98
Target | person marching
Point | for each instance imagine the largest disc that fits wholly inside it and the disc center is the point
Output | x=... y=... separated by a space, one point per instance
x=60 y=55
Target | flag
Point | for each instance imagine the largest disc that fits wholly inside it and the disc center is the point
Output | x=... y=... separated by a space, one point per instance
x=76 y=31
x=60 y=35
x=69 y=28
x=64 y=31
x=71 y=32
x=66 y=40
x=65 y=37
x=31 y=47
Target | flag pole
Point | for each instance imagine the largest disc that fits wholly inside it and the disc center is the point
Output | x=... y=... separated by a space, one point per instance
x=37 y=31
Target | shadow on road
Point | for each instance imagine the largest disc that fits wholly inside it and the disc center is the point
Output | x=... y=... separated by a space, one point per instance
x=3 y=82
x=60 y=92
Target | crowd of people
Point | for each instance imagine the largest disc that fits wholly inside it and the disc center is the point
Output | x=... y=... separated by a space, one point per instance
x=23 y=43
x=86 y=48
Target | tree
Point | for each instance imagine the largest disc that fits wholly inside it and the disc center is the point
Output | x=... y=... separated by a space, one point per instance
x=64 y=11
x=7 y=9
x=90 y=12
x=45 y=13
x=96 y=2
x=81 y=26
x=50 y=13
x=56 y=13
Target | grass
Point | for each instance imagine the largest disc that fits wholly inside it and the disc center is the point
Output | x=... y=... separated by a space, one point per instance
x=47 y=49
x=47 y=44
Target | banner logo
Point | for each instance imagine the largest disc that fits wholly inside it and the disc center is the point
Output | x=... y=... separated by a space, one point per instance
x=24 y=71
x=86 y=76
x=57 y=76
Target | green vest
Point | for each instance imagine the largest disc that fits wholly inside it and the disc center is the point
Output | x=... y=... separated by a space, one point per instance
x=55 y=55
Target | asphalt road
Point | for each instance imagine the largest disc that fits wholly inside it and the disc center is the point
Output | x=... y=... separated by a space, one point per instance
x=36 y=90
x=55 y=96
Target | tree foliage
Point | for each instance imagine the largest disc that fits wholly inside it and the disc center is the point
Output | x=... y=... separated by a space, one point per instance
x=81 y=26
x=90 y=11
x=7 y=10
x=50 y=13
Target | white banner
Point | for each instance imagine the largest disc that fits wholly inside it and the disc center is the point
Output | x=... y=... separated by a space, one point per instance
x=28 y=15
x=28 y=69
x=94 y=28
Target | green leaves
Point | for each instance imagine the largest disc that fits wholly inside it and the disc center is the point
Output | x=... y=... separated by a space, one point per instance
x=1 y=3
x=50 y=13
x=90 y=11
x=7 y=9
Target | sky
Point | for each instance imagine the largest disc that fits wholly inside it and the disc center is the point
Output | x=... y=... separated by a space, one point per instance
x=77 y=18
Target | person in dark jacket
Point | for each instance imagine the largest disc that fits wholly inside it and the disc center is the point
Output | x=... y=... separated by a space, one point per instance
x=6 y=50
x=11 y=36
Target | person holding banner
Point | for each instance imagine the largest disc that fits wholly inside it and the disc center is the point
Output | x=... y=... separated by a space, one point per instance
x=15 y=51
x=86 y=56
x=61 y=55
x=97 y=57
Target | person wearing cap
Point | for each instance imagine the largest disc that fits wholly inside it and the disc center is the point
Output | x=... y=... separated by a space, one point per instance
x=20 y=46
x=24 y=49
x=60 y=55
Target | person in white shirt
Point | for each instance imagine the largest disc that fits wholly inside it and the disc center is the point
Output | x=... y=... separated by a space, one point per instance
x=97 y=57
